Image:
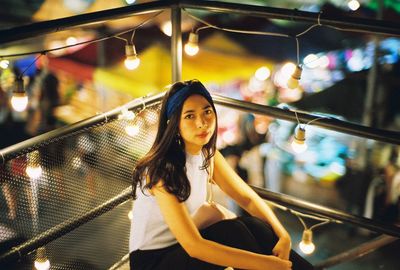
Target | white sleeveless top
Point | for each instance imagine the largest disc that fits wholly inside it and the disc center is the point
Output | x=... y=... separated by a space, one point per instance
x=148 y=227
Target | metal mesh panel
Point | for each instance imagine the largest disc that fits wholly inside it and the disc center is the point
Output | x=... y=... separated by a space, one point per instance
x=65 y=178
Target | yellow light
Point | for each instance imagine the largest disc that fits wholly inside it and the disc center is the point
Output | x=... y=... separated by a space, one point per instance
x=262 y=73
x=132 y=130
x=126 y=114
x=192 y=47
x=288 y=68
x=39 y=265
x=299 y=141
x=130 y=215
x=4 y=64
x=34 y=172
x=166 y=28
x=132 y=61
x=353 y=5
x=19 y=102
x=293 y=81
x=306 y=245
x=41 y=262
x=71 y=41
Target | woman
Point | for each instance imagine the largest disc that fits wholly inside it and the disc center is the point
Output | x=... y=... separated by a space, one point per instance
x=170 y=210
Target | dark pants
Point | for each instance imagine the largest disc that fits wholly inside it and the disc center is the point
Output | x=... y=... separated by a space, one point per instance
x=248 y=233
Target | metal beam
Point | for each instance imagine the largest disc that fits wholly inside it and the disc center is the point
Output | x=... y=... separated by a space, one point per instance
x=352 y=24
x=51 y=26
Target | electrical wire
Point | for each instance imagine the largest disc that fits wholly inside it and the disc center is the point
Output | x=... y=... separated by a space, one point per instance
x=234 y=30
x=88 y=41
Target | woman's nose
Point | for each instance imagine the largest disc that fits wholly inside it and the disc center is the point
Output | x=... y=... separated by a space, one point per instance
x=201 y=122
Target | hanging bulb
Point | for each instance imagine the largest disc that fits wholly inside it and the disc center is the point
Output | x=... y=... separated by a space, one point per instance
x=132 y=61
x=132 y=130
x=353 y=5
x=306 y=245
x=293 y=81
x=19 y=99
x=126 y=114
x=33 y=169
x=4 y=64
x=192 y=47
x=41 y=262
x=299 y=141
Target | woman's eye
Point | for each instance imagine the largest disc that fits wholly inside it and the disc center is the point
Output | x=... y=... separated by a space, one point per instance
x=189 y=116
x=209 y=111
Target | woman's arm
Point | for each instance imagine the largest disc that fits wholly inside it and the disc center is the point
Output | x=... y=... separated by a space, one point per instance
x=179 y=221
x=228 y=180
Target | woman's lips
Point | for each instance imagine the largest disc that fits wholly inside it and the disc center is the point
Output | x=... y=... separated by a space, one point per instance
x=203 y=135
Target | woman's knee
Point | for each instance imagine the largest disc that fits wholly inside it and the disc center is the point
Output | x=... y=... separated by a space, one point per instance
x=232 y=232
x=261 y=230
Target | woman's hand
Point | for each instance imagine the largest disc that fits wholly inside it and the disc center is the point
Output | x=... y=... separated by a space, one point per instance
x=282 y=247
x=279 y=264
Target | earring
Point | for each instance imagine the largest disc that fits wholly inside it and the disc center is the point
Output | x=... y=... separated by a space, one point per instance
x=179 y=139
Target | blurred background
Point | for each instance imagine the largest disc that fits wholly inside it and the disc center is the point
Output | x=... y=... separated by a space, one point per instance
x=350 y=76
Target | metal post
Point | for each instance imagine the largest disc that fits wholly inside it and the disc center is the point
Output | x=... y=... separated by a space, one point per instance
x=176 y=44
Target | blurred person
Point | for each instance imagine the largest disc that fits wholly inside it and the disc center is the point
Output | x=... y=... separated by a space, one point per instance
x=171 y=226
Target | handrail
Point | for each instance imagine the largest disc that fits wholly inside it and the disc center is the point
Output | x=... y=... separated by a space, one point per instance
x=357 y=252
x=63 y=228
x=331 y=213
x=30 y=144
x=282 y=199
x=326 y=122
x=351 y=23
x=323 y=121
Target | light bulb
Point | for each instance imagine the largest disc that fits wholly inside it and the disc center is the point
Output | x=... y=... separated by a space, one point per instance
x=132 y=61
x=41 y=262
x=130 y=215
x=306 y=245
x=19 y=102
x=293 y=81
x=353 y=5
x=192 y=47
x=166 y=28
x=126 y=114
x=33 y=172
x=262 y=73
x=4 y=64
x=132 y=130
x=299 y=141
x=19 y=99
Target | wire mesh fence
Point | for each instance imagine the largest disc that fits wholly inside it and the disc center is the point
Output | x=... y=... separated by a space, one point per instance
x=64 y=179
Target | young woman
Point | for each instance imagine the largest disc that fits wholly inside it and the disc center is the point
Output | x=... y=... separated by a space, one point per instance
x=171 y=226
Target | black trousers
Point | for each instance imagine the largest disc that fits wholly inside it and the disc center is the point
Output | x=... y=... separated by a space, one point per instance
x=248 y=233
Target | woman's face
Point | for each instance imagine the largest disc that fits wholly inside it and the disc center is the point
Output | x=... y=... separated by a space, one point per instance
x=197 y=123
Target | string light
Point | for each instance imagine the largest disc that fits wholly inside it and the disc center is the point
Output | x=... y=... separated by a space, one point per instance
x=4 y=64
x=353 y=5
x=293 y=81
x=262 y=73
x=34 y=170
x=19 y=99
x=132 y=61
x=41 y=262
x=129 y=116
x=299 y=144
x=306 y=245
x=299 y=140
x=192 y=47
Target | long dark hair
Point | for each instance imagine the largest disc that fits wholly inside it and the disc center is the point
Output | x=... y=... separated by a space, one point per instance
x=166 y=159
